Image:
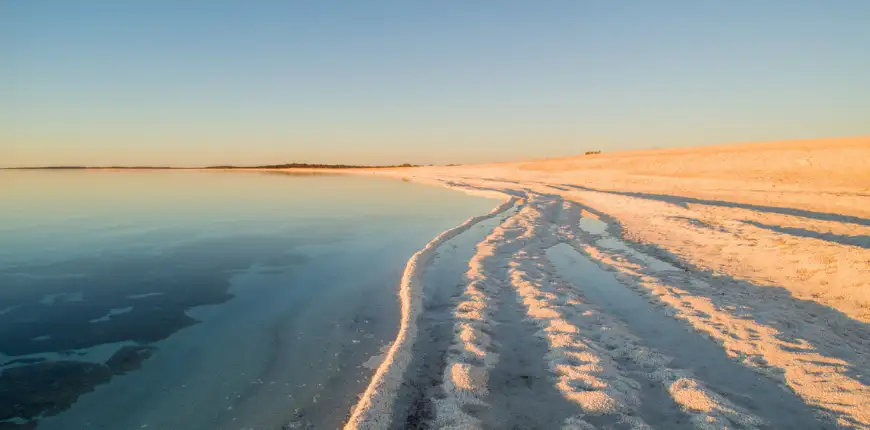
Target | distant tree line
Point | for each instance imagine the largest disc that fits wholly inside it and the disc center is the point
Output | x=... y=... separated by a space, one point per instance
x=313 y=166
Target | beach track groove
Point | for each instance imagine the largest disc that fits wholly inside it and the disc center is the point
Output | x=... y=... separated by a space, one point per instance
x=687 y=355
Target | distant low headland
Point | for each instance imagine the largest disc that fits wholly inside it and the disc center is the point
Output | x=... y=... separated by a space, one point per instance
x=222 y=167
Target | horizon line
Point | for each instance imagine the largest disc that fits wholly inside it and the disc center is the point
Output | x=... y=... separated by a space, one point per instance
x=224 y=167
x=377 y=166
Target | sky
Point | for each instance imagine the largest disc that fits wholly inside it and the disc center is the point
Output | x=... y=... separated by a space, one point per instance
x=163 y=82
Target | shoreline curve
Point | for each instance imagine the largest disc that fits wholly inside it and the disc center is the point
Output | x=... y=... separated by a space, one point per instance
x=374 y=408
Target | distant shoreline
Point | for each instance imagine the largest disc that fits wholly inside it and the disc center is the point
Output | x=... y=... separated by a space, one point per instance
x=272 y=166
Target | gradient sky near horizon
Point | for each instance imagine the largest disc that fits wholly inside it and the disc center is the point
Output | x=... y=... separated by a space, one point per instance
x=200 y=82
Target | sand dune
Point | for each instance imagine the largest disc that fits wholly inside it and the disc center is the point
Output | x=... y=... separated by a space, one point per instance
x=711 y=287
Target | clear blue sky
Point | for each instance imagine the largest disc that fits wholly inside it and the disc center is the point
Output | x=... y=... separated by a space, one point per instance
x=207 y=82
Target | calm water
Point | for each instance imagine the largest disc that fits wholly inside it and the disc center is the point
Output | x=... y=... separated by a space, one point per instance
x=196 y=300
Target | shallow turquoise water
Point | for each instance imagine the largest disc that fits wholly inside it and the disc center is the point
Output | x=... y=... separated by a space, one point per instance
x=201 y=299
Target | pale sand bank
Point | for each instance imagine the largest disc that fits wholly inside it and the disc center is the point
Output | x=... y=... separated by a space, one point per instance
x=711 y=287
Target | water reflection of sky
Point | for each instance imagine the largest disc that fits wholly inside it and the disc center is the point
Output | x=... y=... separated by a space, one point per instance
x=55 y=214
x=97 y=268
